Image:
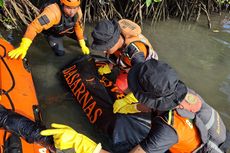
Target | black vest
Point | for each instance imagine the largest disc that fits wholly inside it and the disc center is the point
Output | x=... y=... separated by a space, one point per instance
x=66 y=25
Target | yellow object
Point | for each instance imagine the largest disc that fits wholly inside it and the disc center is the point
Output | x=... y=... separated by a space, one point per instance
x=84 y=48
x=71 y=3
x=65 y=138
x=126 y=105
x=104 y=69
x=21 y=50
x=128 y=109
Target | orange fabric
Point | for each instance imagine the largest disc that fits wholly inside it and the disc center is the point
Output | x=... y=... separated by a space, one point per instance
x=53 y=13
x=71 y=3
x=188 y=135
x=23 y=94
x=141 y=48
x=79 y=26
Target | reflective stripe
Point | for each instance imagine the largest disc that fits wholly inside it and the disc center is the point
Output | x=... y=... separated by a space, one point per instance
x=211 y=120
x=197 y=149
x=214 y=146
x=170 y=118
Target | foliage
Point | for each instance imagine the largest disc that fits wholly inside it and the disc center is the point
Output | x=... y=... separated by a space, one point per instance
x=223 y=1
x=149 y=2
x=1 y=3
x=136 y=10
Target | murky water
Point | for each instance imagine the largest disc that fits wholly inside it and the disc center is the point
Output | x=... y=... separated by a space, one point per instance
x=200 y=56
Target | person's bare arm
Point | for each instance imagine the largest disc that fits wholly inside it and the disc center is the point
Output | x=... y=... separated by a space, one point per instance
x=137 y=149
x=103 y=151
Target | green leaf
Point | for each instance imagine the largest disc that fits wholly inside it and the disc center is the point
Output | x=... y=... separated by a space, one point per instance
x=1 y=3
x=157 y=1
x=148 y=2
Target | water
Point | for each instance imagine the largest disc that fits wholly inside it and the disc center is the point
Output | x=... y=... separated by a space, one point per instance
x=200 y=56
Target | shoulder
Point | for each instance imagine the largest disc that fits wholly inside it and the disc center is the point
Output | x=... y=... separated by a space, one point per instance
x=140 y=45
x=52 y=10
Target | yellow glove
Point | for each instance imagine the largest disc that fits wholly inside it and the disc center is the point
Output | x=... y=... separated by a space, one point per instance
x=128 y=109
x=126 y=105
x=21 y=50
x=104 y=69
x=65 y=138
x=84 y=48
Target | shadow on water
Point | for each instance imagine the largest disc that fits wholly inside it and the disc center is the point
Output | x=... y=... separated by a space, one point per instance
x=200 y=56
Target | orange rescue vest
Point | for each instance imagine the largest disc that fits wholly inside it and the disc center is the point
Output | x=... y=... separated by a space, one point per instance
x=187 y=134
x=132 y=34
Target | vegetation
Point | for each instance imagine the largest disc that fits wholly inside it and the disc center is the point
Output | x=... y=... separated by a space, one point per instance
x=13 y=11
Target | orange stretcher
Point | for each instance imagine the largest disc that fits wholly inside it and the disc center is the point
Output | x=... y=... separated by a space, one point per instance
x=17 y=92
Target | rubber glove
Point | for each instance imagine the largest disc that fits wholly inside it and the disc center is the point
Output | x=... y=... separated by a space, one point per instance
x=84 y=48
x=21 y=50
x=104 y=69
x=126 y=105
x=65 y=138
x=128 y=109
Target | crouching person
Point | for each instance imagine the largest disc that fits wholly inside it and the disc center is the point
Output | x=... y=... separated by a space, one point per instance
x=181 y=120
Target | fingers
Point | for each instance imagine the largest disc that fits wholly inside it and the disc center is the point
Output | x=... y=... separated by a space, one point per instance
x=23 y=55
x=118 y=104
x=85 y=50
x=50 y=132
x=60 y=126
x=15 y=54
x=12 y=53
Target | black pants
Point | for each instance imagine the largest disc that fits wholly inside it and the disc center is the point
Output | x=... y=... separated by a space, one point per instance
x=56 y=42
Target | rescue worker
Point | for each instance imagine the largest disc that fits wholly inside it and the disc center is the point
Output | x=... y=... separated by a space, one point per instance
x=181 y=120
x=58 y=18
x=120 y=41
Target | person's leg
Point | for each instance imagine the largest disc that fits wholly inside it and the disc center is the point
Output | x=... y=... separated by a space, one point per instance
x=56 y=43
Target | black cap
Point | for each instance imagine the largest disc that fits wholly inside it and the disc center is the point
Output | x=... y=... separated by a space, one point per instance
x=105 y=35
x=156 y=84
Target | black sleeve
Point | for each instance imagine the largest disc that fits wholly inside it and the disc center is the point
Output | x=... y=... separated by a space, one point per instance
x=134 y=54
x=160 y=138
x=24 y=127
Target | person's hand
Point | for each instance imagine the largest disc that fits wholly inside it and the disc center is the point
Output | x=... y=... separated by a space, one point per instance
x=105 y=69
x=21 y=50
x=84 y=48
x=128 y=109
x=126 y=105
x=65 y=138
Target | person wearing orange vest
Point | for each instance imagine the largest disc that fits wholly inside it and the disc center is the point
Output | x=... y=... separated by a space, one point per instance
x=120 y=41
x=182 y=122
x=58 y=18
